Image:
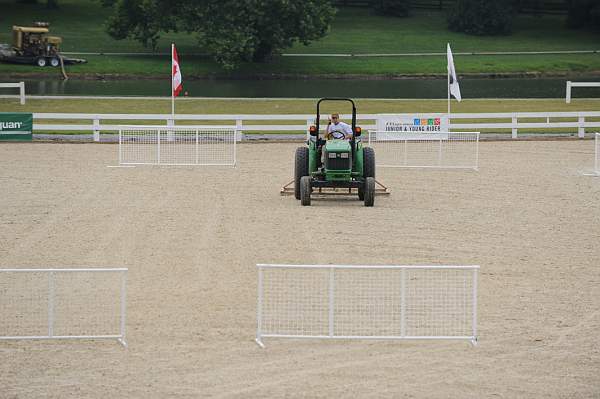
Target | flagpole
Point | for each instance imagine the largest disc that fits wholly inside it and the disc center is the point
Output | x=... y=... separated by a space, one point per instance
x=448 y=75
x=448 y=87
x=172 y=88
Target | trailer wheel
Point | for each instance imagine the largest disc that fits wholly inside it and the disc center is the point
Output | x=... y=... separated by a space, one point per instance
x=40 y=61
x=54 y=61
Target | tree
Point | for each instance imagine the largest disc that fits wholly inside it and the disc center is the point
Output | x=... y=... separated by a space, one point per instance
x=481 y=17
x=232 y=31
x=582 y=13
x=396 y=8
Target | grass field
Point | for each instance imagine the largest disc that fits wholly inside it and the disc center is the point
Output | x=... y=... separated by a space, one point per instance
x=283 y=106
x=353 y=31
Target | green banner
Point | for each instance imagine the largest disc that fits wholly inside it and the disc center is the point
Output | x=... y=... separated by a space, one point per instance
x=16 y=126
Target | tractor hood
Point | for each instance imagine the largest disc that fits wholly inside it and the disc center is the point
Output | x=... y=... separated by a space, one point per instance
x=337 y=146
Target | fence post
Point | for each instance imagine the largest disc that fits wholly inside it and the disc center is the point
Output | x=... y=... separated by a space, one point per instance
x=514 y=127
x=331 y=301
x=51 y=304
x=581 y=128
x=403 y=304
x=238 y=129
x=96 y=127
x=568 y=96
x=123 y=306
x=22 y=92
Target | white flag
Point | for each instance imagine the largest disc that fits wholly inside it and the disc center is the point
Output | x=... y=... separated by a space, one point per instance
x=454 y=89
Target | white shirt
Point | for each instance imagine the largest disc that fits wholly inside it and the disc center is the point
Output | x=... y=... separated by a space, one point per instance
x=338 y=130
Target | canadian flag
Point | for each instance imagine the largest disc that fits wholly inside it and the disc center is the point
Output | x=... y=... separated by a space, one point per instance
x=177 y=86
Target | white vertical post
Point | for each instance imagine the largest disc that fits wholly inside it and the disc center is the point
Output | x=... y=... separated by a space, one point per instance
x=123 y=307
x=403 y=304
x=474 y=326
x=331 y=300
x=120 y=146
x=197 y=148
x=22 y=92
x=238 y=130
x=405 y=152
x=597 y=153
x=568 y=96
x=172 y=88
x=259 y=308
x=158 y=146
x=514 y=127
x=51 y=304
x=580 y=128
x=96 y=127
x=477 y=153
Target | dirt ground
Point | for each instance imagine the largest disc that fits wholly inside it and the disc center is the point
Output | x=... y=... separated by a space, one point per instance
x=191 y=238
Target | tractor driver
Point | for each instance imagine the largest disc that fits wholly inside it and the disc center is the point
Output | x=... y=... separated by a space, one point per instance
x=337 y=129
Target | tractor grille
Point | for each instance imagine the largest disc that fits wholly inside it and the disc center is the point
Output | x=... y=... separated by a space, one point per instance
x=338 y=163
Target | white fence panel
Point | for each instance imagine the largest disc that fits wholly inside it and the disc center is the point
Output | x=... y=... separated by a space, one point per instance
x=367 y=302
x=20 y=86
x=189 y=145
x=458 y=150
x=63 y=303
x=578 y=84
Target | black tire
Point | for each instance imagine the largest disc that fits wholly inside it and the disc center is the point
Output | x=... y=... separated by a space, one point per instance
x=368 y=162
x=361 y=192
x=300 y=168
x=54 y=62
x=369 y=191
x=40 y=61
x=305 y=190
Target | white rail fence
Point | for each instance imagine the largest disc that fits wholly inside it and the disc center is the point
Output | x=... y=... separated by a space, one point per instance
x=367 y=302
x=180 y=145
x=63 y=304
x=20 y=86
x=454 y=150
x=298 y=123
x=578 y=84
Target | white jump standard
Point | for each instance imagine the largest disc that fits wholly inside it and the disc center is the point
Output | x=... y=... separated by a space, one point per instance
x=367 y=302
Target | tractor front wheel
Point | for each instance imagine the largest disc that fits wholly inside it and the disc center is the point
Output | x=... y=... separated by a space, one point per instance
x=368 y=162
x=300 y=169
x=40 y=61
x=305 y=190
x=54 y=61
x=369 y=191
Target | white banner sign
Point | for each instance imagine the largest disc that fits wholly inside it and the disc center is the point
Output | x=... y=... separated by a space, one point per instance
x=408 y=123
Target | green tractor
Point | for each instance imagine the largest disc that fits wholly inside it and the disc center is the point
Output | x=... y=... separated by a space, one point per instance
x=335 y=163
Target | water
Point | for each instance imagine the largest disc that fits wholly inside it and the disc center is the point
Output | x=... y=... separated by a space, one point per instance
x=316 y=88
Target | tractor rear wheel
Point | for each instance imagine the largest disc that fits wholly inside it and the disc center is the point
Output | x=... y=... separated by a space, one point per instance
x=40 y=61
x=305 y=190
x=300 y=168
x=368 y=162
x=54 y=61
x=369 y=191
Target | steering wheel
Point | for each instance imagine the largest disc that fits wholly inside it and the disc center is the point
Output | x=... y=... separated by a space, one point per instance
x=336 y=135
